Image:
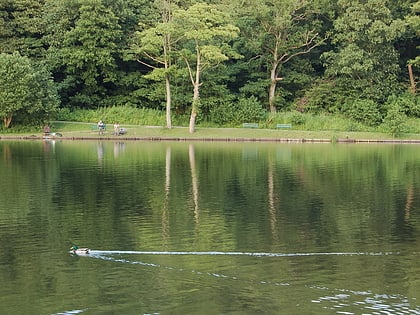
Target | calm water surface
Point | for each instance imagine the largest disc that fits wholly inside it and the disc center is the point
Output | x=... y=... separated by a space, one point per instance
x=209 y=228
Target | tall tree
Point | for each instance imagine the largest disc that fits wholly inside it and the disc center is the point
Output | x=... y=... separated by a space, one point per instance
x=154 y=45
x=25 y=90
x=365 y=61
x=85 y=51
x=205 y=32
x=279 y=31
x=22 y=27
x=414 y=22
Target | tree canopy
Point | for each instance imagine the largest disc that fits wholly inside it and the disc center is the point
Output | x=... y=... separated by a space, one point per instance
x=25 y=91
x=206 y=56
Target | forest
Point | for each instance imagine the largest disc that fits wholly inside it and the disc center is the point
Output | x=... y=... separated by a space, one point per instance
x=224 y=61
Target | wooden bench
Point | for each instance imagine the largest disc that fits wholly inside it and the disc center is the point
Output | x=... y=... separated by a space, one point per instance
x=250 y=125
x=283 y=126
x=120 y=131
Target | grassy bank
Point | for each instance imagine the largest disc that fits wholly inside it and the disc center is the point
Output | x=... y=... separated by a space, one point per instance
x=300 y=121
x=149 y=124
x=78 y=130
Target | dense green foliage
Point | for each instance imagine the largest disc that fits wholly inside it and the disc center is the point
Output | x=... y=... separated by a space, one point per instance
x=26 y=92
x=220 y=61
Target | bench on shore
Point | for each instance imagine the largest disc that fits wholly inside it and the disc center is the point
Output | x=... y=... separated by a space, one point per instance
x=250 y=125
x=283 y=126
x=120 y=131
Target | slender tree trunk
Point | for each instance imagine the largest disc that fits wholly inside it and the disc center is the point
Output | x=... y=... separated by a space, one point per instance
x=193 y=117
x=7 y=121
x=168 y=101
x=196 y=95
x=273 y=79
x=167 y=17
x=194 y=109
x=412 y=81
x=272 y=91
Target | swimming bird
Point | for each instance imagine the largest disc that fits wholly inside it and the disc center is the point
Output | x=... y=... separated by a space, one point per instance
x=80 y=251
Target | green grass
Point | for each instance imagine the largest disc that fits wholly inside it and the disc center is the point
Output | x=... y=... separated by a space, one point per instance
x=148 y=123
x=85 y=130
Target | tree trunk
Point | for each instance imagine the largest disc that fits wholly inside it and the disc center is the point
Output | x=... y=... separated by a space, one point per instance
x=168 y=102
x=412 y=81
x=273 y=82
x=273 y=88
x=192 y=121
x=196 y=96
x=272 y=91
x=167 y=18
x=7 y=121
x=194 y=110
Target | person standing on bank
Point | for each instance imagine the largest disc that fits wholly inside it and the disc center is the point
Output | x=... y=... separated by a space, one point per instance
x=101 y=127
x=116 y=129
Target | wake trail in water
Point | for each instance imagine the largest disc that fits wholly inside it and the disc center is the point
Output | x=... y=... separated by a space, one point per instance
x=342 y=301
x=255 y=254
x=100 y=255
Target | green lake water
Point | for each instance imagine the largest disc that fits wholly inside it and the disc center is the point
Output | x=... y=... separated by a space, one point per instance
x=209 y=228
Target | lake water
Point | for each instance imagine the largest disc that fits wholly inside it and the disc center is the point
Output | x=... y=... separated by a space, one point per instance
x=209 y=228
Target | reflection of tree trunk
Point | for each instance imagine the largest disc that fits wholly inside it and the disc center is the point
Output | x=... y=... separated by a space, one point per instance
x=194 y=180
x=165 y=214
x=272 y=208
x=100 y=151
x=7 y=153
x=409 y=201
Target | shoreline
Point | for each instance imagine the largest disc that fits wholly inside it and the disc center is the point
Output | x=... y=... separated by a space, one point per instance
x=210 y=139
x=75 y=131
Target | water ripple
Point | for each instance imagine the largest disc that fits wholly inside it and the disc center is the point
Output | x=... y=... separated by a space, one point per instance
x=72 y=312
x=371 y=303
x=256 y=254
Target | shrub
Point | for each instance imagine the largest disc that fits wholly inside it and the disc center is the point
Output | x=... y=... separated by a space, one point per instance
x=223 y=114
x=364 y=111
x=64 y=114
x=395 y=119
x=297 y=118
x=408 y=102
x=323 y=95
x=245 y=110
x=249 y=110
